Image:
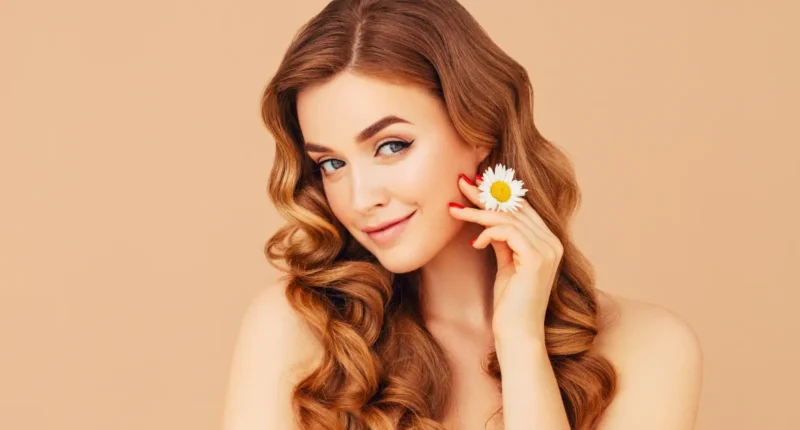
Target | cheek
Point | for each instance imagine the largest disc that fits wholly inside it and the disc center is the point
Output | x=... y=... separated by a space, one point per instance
x=437 y=167
x=419 y=180
x=437 y=175
x=337 y=203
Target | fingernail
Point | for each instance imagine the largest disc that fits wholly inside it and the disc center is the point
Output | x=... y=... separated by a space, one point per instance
x=464 y=177
x=472 y=242
x=478 y=177
x=455 y=205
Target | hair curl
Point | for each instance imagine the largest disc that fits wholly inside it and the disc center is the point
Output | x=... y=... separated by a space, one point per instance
x=381 y=368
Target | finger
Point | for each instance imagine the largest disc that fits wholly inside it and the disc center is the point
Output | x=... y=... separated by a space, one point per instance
x=525 y=214
x=528 y=211
x=483 y=217
x=524 y=217
x=504 y=257
x=470 y=190
x=492 y=218
x=503 y=254
x=540 y=227
x=528 y=255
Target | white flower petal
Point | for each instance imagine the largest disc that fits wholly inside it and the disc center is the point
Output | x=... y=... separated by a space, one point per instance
x=500 y=171
x=489 y=174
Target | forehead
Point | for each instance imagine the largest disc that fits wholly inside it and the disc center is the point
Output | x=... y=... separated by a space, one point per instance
x=332 y=113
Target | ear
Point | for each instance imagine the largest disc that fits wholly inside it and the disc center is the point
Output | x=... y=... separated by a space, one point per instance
x=481 y=152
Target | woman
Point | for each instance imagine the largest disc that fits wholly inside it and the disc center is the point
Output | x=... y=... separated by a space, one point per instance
x=408 y=292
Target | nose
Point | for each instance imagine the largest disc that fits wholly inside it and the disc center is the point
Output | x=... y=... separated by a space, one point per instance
x=369 y=190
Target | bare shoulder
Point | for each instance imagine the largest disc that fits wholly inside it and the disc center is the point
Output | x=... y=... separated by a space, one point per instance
x=658 y=359
x=274 y=350
x=632 y=327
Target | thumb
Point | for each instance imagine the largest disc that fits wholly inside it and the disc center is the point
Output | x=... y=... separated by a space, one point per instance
x=503 y=253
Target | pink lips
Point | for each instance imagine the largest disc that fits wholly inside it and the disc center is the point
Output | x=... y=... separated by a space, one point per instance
x=386 y=233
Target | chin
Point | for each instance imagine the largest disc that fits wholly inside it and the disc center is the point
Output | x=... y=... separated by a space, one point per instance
x=399 y=265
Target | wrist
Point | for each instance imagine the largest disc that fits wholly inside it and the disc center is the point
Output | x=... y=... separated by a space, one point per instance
x=520 y=345
x=519 y=337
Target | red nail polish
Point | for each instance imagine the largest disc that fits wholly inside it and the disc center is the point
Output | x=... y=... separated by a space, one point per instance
x=455 y=205
x=472 y=242
x=478 y=177
x=464 y=177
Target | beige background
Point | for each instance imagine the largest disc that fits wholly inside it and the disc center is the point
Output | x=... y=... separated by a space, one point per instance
x=133 y=174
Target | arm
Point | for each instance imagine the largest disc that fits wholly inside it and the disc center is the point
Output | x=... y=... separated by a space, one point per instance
x=528 y=255
x=531 y=398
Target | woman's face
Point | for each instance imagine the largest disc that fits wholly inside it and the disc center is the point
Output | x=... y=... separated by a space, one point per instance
x=377 y=170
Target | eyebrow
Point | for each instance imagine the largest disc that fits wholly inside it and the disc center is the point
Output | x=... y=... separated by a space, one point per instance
x=365 y=134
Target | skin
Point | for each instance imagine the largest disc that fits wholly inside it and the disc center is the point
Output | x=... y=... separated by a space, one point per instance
x=465 y=304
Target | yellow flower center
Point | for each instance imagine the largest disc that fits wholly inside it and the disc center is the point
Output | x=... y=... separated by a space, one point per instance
x=500 y=191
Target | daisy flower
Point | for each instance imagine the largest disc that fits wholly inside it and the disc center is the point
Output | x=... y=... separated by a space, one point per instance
x=499 y=189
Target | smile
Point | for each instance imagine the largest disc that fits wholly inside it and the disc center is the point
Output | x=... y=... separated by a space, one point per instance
x=388 y=234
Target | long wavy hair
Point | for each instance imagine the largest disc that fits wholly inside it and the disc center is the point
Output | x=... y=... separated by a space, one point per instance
x=381 y=368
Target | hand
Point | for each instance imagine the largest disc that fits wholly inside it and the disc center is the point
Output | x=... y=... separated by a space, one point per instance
x=528 y=256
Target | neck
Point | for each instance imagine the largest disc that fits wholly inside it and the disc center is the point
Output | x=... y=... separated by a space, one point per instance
x=456 y=287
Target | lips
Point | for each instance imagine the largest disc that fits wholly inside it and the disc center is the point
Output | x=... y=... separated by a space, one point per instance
x=372 y=229
x=384 y=235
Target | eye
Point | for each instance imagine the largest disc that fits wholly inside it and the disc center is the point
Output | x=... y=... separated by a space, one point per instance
x=322 y=164
x=395 y=147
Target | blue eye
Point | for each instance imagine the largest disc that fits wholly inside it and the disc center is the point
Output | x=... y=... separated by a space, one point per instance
x=322 y=163
x=396 y=147
x=399 y=144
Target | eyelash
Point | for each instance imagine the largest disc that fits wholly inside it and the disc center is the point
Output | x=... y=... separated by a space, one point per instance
x=402 y=143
